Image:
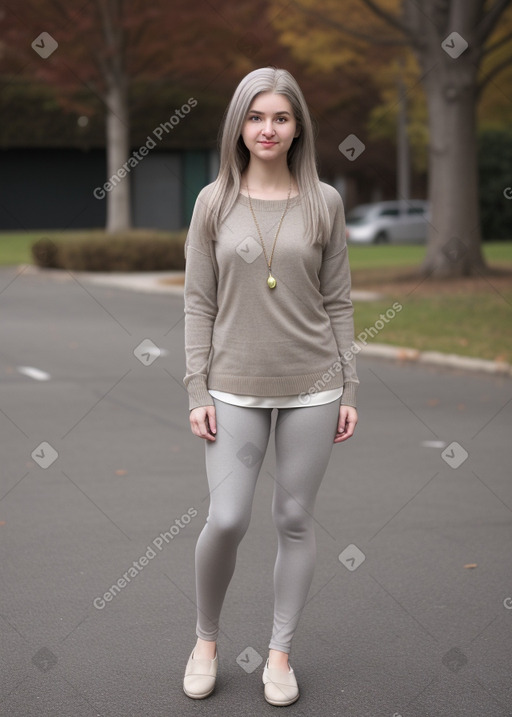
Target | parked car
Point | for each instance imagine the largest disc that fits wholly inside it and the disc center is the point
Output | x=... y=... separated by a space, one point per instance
x=388 y=222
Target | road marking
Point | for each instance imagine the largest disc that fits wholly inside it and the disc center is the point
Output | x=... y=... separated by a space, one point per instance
x=34 y=373
x=433 y=444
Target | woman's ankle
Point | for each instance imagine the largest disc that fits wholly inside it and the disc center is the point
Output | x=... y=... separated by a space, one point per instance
x=278 y=658
x=205 y=648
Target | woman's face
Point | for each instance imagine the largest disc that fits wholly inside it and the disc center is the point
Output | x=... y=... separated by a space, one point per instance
x=269 y=127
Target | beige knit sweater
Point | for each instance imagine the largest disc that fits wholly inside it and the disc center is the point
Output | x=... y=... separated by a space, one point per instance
x=241 y=336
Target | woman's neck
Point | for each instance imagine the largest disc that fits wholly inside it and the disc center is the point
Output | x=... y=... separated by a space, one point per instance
x=266 y=181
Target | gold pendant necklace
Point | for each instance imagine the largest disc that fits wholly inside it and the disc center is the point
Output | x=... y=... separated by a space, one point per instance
x=271 y=282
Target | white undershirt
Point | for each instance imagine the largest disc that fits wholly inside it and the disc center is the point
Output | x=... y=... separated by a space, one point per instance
x=313 y=399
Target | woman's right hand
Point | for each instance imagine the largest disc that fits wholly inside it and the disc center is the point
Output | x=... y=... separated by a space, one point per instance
x=203 y=422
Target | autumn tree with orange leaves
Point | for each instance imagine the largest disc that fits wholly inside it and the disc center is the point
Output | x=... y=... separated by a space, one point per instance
x=462 y=47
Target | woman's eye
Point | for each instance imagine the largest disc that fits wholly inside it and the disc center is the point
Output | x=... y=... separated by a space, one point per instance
x=281 y=120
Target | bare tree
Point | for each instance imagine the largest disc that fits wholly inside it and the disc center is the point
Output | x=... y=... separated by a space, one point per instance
x=98 y=49
x=113 y=69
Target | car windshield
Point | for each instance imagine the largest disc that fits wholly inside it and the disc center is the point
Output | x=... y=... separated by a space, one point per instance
x=358 y=216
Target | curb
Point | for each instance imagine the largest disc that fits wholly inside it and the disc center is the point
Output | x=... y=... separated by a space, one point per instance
x=436 y=358
x=146 y=282
x=150 y=282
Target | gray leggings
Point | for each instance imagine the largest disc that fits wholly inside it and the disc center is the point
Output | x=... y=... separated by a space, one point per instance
x=303 y=440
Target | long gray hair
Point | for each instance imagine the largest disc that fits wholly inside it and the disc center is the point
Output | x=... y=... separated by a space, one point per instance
x=234 y=155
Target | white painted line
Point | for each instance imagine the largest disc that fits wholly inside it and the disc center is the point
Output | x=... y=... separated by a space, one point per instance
x=155 y=350
x=34 y=373
x=433 y=444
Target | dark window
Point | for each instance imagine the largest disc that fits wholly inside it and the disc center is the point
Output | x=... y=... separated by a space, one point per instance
x=389 y=213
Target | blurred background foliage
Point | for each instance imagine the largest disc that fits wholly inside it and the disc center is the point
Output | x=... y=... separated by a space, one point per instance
x=339 y=51
x=348 y=60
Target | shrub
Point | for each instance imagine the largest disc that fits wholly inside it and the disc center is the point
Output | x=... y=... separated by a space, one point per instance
x=136 y=250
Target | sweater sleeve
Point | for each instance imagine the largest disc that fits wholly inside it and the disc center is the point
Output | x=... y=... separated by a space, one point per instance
x=335 y=284
x=200 y=306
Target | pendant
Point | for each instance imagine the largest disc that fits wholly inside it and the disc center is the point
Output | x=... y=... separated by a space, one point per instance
x=271 y=281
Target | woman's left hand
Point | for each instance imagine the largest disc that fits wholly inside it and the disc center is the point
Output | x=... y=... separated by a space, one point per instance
x=346 y=423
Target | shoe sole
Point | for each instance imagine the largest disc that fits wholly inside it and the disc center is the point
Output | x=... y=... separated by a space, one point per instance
x=198 y=697
x=282 y=704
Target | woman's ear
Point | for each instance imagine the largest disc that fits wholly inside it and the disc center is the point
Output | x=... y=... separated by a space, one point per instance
x=297 y=132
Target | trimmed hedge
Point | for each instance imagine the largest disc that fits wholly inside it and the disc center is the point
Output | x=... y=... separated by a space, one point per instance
x=136 y=250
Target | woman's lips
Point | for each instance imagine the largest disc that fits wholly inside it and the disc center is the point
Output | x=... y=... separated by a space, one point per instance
x=267 y=144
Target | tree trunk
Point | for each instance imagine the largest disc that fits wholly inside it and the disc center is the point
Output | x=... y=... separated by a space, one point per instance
x=403 y=162
x=445 y=40
x=454 y=238
x=118 y=147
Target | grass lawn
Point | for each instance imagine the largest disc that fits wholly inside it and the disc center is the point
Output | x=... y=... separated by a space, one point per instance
x=15 y=247
x=471 y=317
x=477 y=324
x=377 y=256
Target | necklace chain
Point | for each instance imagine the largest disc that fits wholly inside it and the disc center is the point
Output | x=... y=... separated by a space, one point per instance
x=271 y=280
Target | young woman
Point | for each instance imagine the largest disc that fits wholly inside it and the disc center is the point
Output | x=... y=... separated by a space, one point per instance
x=268 y=324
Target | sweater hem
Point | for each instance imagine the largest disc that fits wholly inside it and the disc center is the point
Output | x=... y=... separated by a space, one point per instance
x=199 y=395
x=275 y=385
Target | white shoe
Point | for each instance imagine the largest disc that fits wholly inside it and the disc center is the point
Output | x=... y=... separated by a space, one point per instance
x=200 y=676
x=281 y=687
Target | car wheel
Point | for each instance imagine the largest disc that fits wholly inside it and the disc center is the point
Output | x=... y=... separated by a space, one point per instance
x=381 y=238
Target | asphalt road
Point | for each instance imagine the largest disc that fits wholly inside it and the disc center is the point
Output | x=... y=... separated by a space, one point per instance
x=102 y=478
